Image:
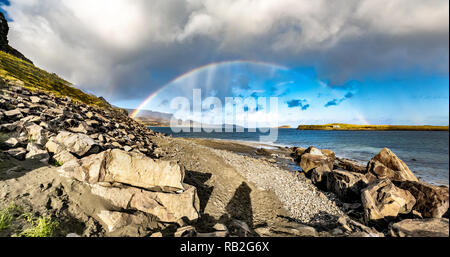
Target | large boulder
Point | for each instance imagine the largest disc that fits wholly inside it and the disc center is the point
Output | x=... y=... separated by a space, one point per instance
x=77 y=144
x=420 y=228
x=130 y=168
x=309 y=161
x=36 y=134
x=382 y=200
x=328 y=153
x=346 y=185
x=297 y=152
x=114 y=220
x=314 y=151
x=357 y=229
x=387 y=165
x=167 y=207
x=431 y=201
x=350 y=165
x=63 y=157
x=36 y=153
x=319 y=176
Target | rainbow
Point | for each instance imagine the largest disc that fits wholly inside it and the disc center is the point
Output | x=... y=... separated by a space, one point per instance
x=154 y=94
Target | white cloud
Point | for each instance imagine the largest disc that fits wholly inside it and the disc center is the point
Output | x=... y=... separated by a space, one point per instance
x=119 y=47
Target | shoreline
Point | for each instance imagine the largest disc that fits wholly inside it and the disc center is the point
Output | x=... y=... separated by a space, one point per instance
x=222 y=187
x=250 y=148
x=352 y=127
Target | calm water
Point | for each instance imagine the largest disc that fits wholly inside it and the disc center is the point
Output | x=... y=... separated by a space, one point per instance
x=425 y=152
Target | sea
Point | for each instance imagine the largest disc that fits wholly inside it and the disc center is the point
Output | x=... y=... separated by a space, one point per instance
x=425 y=152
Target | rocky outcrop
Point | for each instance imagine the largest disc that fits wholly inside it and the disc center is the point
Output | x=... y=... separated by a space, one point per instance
x=350 y=165
x=129 y=168
x=387 y=165
x=420 y=228
x=312 y=158
x=47 y=120
x=319 y=176
x=382 y=200
x=4 y=46
x=101 y=149
x=431 y=201
x=346 y=185
x=167 y=207
x=114 y=220
x=75 y=143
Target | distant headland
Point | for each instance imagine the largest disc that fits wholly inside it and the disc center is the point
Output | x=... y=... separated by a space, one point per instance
x=342 y=126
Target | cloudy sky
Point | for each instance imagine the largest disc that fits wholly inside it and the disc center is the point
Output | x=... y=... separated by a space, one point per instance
x=368 y=61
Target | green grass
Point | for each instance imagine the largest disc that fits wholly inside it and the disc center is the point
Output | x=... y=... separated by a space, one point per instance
x=13 y=68
x=7 y=215
x=12 y=219
x=342 y=126
x=40 y=227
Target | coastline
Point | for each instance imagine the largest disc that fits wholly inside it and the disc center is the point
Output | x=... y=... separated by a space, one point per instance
x=242 y=188
x=352 y=127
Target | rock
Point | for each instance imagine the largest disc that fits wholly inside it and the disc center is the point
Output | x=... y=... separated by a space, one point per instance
x=157 y=234
x=351 y=226
x=18 y=153
x=420 y=228
x=271 y=160
x=431 y=201
x=115 y=220
x=36 y=134
x=288 y=230
x=240 y=228
x=346 y=185
x=54 y=147
x=387 y=165
x=319 y=176
x=9 y=127
x=11 y=143
x=35 y=99
x=167 y=207
x=121 y=167
x=73 y=235
x=81 y=128
x=310 y=161
x=220 y=227
x=13 y=114
x=77 y=144
x=313 y=151
x=131 y=168
x=188 y=231
x=64 y=157
x=298 y=152
x=36 y=153
x=328 y=153
x=350 y=165
x=382 y=200
x=127 y=148
x=116 y=145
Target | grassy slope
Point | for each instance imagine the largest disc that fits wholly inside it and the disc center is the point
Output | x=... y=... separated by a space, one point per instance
x=13 y=68
x=371 y=127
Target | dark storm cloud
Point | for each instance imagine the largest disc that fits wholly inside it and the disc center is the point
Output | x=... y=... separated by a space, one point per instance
x=132 y=48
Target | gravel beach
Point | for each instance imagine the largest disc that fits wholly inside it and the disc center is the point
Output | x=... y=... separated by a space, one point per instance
x=302 y=199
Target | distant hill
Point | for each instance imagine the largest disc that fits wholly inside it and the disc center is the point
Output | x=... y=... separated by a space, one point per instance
x=342 y=126
x=151 y=118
